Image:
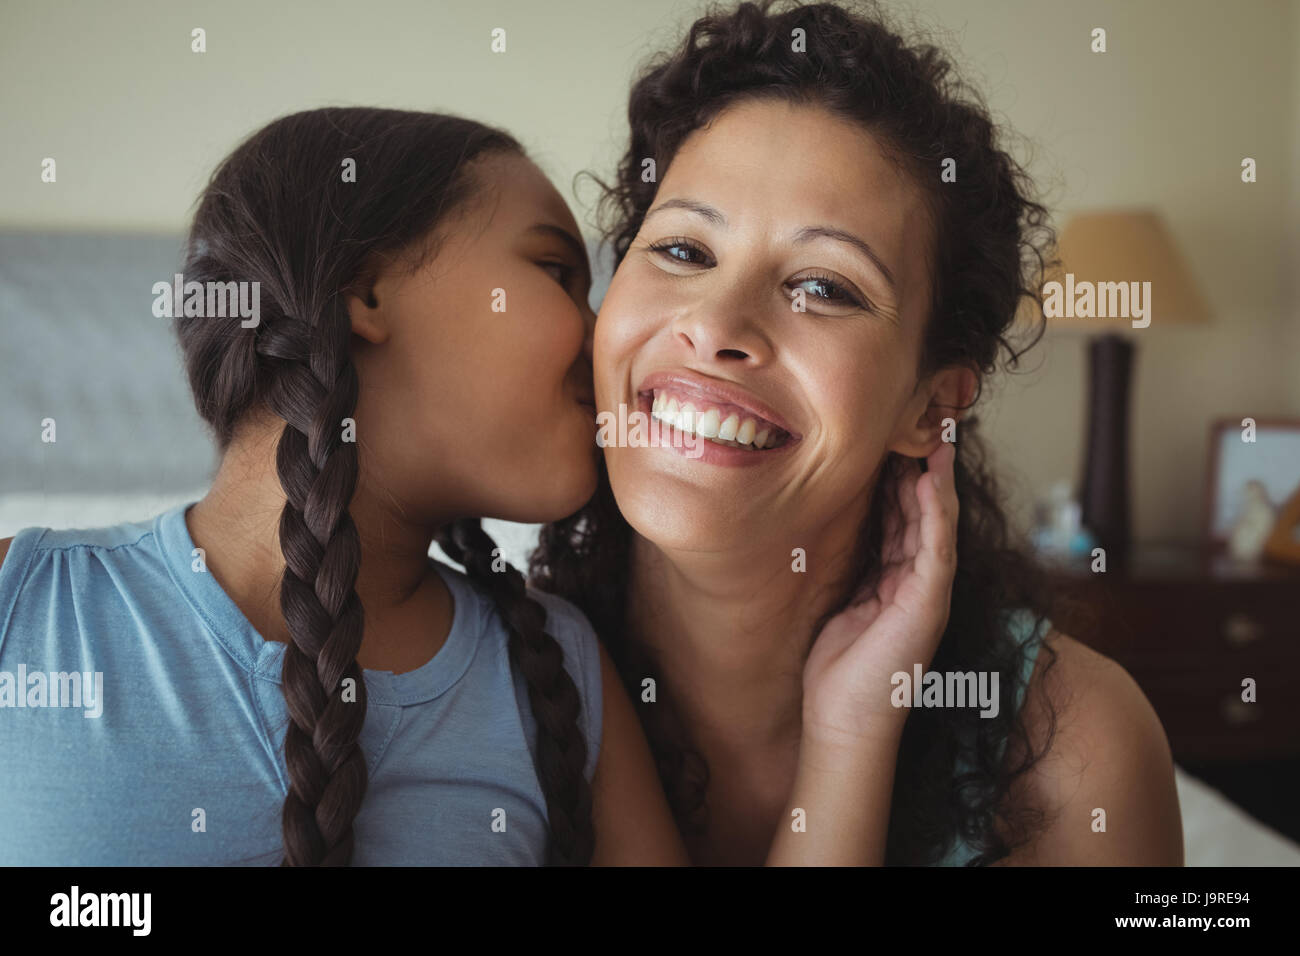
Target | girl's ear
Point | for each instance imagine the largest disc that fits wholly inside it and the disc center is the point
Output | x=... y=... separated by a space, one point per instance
x=365 y=310
x=947 y=394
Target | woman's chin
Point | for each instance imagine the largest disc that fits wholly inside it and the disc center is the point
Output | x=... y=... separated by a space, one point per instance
x=670 y=524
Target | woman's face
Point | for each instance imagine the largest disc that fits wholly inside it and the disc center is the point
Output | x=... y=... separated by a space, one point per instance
x=771 y=207
x=476 y=394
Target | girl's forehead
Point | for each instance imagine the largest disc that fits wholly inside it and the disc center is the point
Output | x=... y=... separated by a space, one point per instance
x=523 y=193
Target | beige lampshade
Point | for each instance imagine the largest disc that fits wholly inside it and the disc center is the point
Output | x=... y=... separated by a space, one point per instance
x=1101 y=250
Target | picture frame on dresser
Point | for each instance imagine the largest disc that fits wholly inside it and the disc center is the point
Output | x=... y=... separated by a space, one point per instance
x=1243 y=450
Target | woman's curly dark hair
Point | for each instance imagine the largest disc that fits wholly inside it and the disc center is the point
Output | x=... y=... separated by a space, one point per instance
x=991 y=241
x=278 y=211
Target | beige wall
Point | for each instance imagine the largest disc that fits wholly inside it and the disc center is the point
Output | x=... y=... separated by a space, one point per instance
x=1188 y=87
x=1291 y=262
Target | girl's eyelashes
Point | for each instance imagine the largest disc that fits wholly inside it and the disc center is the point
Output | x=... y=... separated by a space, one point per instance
x=562 y=272
x=572 y=277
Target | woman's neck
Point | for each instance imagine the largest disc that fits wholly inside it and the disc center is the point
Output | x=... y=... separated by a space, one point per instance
x=730 y=631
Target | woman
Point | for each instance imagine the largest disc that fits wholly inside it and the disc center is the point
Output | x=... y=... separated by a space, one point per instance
x=281 y=672
x=814 y=278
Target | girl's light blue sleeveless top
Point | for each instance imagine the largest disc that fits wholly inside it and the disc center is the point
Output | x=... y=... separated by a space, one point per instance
x=142 y=720
x=1031 y=638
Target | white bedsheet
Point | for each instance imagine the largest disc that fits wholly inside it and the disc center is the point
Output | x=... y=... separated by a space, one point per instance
x=1217 y=832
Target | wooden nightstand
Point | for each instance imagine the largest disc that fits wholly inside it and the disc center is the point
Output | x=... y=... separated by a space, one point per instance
x=1189 y=628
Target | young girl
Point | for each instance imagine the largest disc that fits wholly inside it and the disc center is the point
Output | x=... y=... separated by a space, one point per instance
x=814 y=286
x=278 y=672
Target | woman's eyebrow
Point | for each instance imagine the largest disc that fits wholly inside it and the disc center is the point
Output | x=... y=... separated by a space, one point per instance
x=690 y=205
x=828 y=232
x=569 y=239
x=805 y=234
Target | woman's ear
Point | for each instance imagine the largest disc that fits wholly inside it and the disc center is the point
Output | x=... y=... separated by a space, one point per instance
x=932 y=414
x=366 y=311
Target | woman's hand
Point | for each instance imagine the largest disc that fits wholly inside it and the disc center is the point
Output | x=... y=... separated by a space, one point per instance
x=851 y=732
x=847 y=678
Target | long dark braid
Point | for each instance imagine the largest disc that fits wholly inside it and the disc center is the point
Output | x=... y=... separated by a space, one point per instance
x=556 y=704
x=278 y=212
x=313 y=388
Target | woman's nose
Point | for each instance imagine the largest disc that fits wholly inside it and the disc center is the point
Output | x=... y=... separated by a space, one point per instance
x=724 y=327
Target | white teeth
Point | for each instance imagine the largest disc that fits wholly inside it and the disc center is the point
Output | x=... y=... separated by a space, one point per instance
x=708 y=423
x=727 y=430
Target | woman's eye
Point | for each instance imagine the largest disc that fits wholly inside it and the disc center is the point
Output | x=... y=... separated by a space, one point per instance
x=827 y=289
x=681 y=250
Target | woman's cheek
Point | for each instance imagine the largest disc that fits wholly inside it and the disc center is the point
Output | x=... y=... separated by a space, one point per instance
x=655 y=307
x=610 y=345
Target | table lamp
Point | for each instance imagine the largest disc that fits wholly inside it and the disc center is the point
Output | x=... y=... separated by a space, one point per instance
x=1117 y=274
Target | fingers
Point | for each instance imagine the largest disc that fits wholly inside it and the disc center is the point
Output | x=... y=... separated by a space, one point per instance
x=892 y=548
x=936 y=557
x=942 y=465
x=910 y=507
x=923 y=528
x=899 y=535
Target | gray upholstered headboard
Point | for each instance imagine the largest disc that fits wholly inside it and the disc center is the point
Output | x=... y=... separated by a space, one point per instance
x=81 y=345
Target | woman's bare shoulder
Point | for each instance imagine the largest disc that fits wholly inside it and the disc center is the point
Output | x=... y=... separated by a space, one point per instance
x=1106 y=781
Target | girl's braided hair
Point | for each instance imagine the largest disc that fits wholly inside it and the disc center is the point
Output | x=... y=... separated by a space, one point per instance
x=279 y=211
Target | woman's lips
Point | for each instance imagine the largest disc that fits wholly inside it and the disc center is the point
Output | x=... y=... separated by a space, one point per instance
x=705 y=392
x=698 y=448
x=710 y=418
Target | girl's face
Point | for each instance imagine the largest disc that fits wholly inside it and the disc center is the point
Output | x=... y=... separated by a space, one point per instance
x=476 y=394
x=771 y=207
